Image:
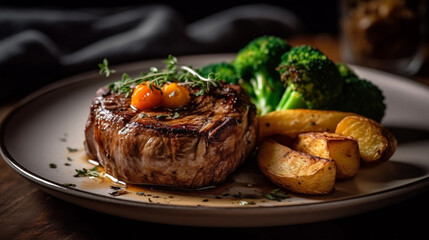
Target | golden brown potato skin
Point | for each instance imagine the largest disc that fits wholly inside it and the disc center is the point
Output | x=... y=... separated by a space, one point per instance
x=344 y=150
x=296 y=171
x=376 y=143
x=294 y=121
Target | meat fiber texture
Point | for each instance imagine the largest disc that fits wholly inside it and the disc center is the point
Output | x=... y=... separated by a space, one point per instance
x=196 y=146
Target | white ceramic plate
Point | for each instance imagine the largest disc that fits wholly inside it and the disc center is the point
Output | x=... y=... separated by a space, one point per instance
x=40 y=132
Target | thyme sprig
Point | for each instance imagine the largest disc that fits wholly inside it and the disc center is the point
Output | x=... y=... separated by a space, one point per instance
x=104 y=68
x=277 y=195
x=156 y=78
x=87 y=172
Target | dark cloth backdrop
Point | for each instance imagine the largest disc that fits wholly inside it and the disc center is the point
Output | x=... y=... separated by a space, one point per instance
x=41 y=45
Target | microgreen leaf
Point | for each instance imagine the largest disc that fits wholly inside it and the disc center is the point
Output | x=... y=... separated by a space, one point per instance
x=104 y=68
x=175 y=115
x=157 y=78
x=161 y=116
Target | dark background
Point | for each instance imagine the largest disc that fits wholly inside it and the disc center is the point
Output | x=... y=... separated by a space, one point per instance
x=317 y=16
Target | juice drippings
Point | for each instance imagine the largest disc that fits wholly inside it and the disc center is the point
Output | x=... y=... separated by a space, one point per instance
x=246 y=186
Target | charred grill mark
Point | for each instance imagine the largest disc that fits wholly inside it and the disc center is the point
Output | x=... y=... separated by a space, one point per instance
x=172 y=130
x=220 y=129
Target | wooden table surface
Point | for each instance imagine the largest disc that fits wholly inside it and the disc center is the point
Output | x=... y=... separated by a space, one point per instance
x=29 y=213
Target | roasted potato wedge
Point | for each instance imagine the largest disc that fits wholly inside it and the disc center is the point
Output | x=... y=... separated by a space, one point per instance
x=344 y=150
x=296 y=171
x=376 y=143
x=294 y=121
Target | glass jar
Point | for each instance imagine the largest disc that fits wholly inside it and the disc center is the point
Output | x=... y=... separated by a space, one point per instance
x=383 y=34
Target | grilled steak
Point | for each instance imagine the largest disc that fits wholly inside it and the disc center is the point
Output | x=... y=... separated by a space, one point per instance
x=192 y=147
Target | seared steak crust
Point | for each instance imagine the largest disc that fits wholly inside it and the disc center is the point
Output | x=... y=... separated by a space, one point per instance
x=192 y=147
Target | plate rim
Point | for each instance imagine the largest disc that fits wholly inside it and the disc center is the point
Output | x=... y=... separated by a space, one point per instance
x=43 y=182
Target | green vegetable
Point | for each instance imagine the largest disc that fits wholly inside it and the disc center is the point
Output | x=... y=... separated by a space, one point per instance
x=225 y=72
x=222 y=71
x=359 y=95
x=157 y=78
x=312 y=79
x=87 y=173
x=105 y=69
x=276 y=195
x=255 y=65
x=70 y=149
x=345 y=71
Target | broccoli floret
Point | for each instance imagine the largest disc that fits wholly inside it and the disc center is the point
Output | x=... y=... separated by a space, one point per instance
x=345 y=71
x=255 y=64
x=312 y=79
x=224 y=71
x=360 y=96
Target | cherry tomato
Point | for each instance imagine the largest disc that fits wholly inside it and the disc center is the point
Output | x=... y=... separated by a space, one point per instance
x=145 y=98
x=175 y=95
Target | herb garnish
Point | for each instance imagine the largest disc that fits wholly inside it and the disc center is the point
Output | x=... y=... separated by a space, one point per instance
x=161 y=116
x=104 y=68
x=87 y=173
x=52 y=165
x=70 y=149
x=157 y=78
x=175 y=115
x=118 y=193
x=277 y=195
